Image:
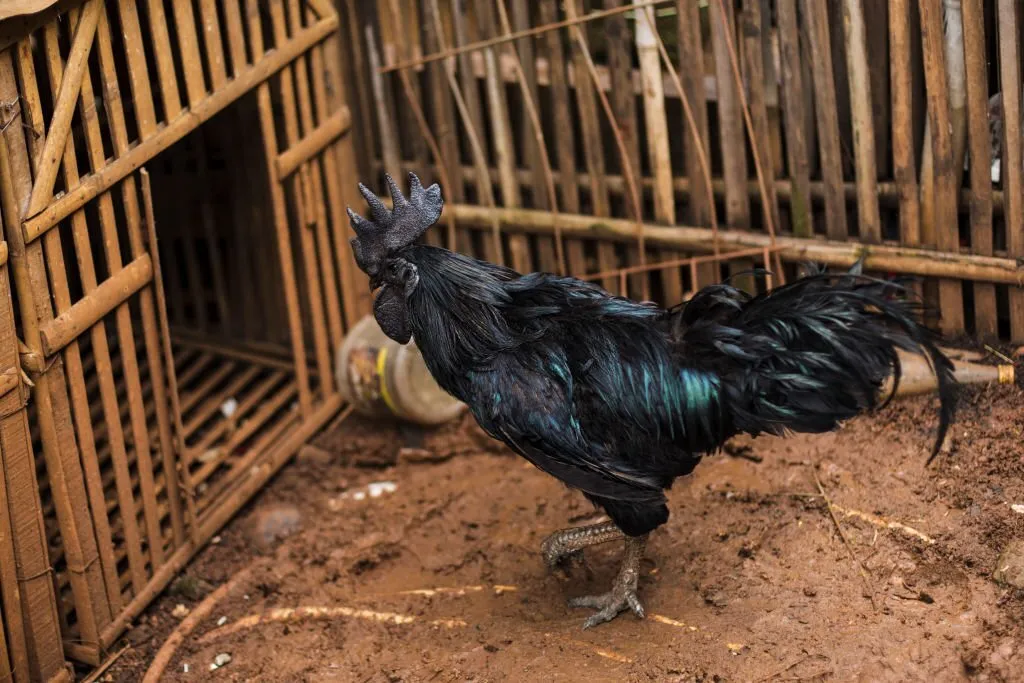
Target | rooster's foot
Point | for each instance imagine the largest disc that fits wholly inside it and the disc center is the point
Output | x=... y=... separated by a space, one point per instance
x=622 y=596
x=564 y=548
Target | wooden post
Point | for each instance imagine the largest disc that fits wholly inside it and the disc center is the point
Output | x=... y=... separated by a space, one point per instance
x=1010 y=167
x=976 y=71
x=863 y=122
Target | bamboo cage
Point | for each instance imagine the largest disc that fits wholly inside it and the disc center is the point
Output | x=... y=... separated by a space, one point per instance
x=639 y=132
x=174 y=180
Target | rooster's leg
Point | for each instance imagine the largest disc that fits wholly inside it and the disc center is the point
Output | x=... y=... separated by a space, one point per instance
x=568 y=544
x=622 y=596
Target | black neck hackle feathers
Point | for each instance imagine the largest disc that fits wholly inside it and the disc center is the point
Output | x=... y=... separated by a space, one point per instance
x=617 y=398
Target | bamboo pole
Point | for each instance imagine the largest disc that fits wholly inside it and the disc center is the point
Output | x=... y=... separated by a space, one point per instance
x=1013 y=182
x=622 y=116
x=21 y=519
x=904 y=165
x=976 y=78
x=793 y=89
x=658 y=145
x=815 y=15
x=863 y=122
x=880 y=257
x=946 y=227
x=696 y=146
x=730 y=123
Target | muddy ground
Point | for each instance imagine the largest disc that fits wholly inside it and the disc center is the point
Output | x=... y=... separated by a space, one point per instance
x=440 y=579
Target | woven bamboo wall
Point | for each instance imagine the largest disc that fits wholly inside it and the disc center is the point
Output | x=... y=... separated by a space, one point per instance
x=815 y=121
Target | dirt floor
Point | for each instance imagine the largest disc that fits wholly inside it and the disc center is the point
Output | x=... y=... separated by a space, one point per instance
x=440 y=578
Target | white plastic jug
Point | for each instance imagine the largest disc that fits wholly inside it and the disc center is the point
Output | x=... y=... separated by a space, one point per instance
x=380 y=378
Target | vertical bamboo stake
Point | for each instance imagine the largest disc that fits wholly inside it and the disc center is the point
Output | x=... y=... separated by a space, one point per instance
x=593 y=152
x=863 y=122
x=877 y=37
x=362 y=98
x=904 y=165
x=1010 y=168
x=752 y=30
x=946 y=226
x=658 y=144
x=473 y=118
x=564 y=141
x=730 y=124
x=329 y=91
x=623 y=102
x=20 y=513
x=794 y=119
x=953 y=42
x=976 y=77
x=816 y=21
x=691 y=73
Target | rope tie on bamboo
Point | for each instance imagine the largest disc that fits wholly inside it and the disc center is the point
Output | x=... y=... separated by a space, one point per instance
x=39 y=574
x=82 y=570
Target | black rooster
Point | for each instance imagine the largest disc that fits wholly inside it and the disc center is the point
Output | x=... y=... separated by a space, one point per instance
x=618 y=398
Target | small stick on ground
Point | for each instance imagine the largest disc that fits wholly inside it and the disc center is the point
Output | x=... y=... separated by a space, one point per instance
x=849 y=548
x=110 y=661
x=167 y=651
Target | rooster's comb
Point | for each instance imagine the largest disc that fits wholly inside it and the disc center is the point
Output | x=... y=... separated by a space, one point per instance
x=386 y=231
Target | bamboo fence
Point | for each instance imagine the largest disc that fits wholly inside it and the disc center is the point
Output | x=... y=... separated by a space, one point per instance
x=636 y=134
x=149 y=394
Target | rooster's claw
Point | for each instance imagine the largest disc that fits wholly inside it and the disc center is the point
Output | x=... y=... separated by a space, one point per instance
x=609 y=605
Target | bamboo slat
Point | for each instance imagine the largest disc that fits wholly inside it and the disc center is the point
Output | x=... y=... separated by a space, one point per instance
x=691 y=74
x=1010 y=168
x=658 y=147
x=976 y=72
x=730 y=122
x=794 y=117
x=863 y=122
x=881 y=257
x=904 y=164
x=816 y=21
